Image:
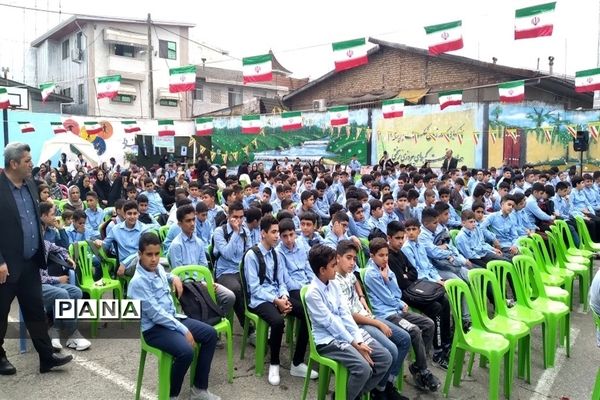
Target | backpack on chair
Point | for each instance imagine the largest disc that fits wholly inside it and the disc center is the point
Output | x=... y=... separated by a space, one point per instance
x=197 y=303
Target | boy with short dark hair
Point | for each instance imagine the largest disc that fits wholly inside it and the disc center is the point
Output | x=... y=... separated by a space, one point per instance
x=471 y=243
x=308 y=228
x=95 y=215
x=359 y=226
x=144 y=217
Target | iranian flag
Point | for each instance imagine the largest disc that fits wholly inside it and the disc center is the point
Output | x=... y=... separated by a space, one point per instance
x=534 y=21
x=450 y=98
x=57 y=127
x=4 y=101
x=512 y=92
x=459 y=137
x=92 y=128
x=572 y=130
x=349 y=54
x=444 y=37
x=476 y=138
x=166 y=127
x=548 y=134
x=26 y=127
x=130 y=126
x=338 y=116
x=512 y=132
x=587 y=80
x=182 y=79
x=204 y=126
x=593 y=128
x=47 y=89
x=493 y=137
x=291 y=121
x=251 y=124
x=257 y=68
x=108 y=86
x=393 y=108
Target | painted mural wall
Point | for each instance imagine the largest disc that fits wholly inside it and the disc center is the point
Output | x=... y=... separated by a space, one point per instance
x=314 y=140
x=424 y=134
x=542 y=134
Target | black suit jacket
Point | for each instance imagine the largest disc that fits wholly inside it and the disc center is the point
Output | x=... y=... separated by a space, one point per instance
x=11 y=231
x=449 y=165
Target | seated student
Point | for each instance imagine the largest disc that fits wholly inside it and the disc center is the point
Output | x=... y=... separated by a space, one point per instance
x=563 y=209
x=174 y=228
x=414 y=211
x=358 y=224
x=124 y=237
x=453 y=217
x=189 y=249
x=591 y=194
x=119 y=203
x=503 y=190
x=471 y=243
x=265 y=196
x=280 y=195
x=503 y=225
x=78 y=231
x=308 y=228
x=180 y=200
x=519 y=183
x=390 y=336
x=478 y=209
x=294 y=251
x=376 y=221
x=402 y=208
x=388 y=209
x=334 y=331
x=523 y=223
x=253 y=216
x=267 y=292
x=580 y=204
x=144 y=217
x=58 y=287
x=416 y=253
x=532 y=209
x=386 y=300
x=194 y=190
x=209 y=196
x=250 y=194
x=132 y=192
x=289 y=206
x=339 y=227
x=166 y=330
x=230 y=243
x=155 y=203
x=477 y=195
x=95 y=215
x=321 y=204
x=50 y=227
x=438 y=310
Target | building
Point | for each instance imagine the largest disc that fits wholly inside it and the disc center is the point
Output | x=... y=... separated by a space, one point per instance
x=80 y=49
x=222 y=91
x=27 y=98
x=397 y=70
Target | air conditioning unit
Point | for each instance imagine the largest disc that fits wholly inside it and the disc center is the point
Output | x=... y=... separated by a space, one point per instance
x=319 y=105
x=77 y=55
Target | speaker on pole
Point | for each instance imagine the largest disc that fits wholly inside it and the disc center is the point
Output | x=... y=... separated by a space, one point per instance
x=582 y=141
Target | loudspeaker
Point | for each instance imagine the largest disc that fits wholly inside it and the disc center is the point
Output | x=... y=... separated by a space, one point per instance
x=582 y=141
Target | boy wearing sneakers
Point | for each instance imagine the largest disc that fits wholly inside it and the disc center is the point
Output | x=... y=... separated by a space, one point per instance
x=386 y=300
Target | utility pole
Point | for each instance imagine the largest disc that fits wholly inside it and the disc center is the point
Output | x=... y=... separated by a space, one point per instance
x=150 y=75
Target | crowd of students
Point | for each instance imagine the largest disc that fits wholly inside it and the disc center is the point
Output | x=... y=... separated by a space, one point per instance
x=305 y=225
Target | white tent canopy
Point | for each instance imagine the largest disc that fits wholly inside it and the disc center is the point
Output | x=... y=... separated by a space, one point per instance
x=62 y=141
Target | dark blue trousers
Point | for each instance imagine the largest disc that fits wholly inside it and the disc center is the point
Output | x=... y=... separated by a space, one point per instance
x=174 y=343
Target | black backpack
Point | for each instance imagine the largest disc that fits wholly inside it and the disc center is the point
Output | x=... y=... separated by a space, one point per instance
x=196 y=303
x=262 y=268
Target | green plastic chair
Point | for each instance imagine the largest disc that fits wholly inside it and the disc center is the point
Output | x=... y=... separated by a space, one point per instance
x=162 y=232
x=108 y=212
x=555 y=312
x=361 y=258
x=516 y=332
x=86 y=277
x=261 y=329
x=453 y=233
x=165 y=362
x=478 y=340
x=528 y=247
x=568 y=253
x=596 y=393
x=551 y=265
x=579 y=271
x=586 y=241
x=326 y=365
x=563 y=227
x=201 y=273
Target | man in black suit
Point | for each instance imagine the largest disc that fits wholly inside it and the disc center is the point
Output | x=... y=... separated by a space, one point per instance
x=22 y=253
x=449 y=161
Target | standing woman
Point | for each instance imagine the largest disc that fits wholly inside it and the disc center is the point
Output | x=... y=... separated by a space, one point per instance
x=102 y=188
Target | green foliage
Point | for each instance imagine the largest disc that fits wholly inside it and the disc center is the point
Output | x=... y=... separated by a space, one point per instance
x=349 y=140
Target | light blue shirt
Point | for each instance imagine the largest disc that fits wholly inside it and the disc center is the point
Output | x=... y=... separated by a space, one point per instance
x=298 y=270
x=592 y=197
x=454 y=221
x=321 y=207
x=75 y=236
x=471 y=244
x=579 y=201
x=127 y=239
x=272 y=287
x=230 y=253
x=174 y=230
x=329 y=314
x=389 y=217
x=427 y=239
x=360 y=229
x=354 y=165
x=152 y=288
x=385 y=295
x=155 y=204
x=522 y=222
x=93 y=221
x=533 y=210
x=563 y=207
x=504 y=227
x=187 y=250
x=417 y=255
x=204 y=230
x=331 y=240
x=378 y=223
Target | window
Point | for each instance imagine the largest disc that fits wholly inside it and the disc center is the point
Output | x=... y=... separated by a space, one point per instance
x=234 y=96
x=79 y=40
x=80 y=93
x=215 y=96
x=125 y=51
x=66 y=92
x=168 y=102
x=198 y=94
x=65 y=49
x=123 y=98
x=167 y=49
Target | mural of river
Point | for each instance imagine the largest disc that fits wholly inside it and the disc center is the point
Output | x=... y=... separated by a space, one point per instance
x=310 y=150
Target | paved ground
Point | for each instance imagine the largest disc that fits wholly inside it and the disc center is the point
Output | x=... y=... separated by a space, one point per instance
x=108 y=370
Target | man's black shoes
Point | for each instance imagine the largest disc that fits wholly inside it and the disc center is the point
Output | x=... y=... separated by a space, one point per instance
x=55 y=361
x=6 y=368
